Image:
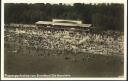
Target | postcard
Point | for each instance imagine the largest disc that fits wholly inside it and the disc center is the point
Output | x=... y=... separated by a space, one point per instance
x=63 y=40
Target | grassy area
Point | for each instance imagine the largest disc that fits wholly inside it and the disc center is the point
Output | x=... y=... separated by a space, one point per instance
x=76 y=65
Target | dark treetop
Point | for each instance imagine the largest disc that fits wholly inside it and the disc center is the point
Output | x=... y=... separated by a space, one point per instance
x=102 y=16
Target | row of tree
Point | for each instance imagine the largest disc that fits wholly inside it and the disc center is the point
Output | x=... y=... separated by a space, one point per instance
x=102 y=16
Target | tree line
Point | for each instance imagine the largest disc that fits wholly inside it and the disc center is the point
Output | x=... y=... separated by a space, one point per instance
x=103 y=16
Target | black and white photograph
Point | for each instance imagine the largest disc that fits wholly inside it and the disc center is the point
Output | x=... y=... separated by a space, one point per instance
x=64 y=40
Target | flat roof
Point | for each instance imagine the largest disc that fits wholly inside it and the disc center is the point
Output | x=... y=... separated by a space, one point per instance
x=44 y=22
x=61 y=22
x=67 y=21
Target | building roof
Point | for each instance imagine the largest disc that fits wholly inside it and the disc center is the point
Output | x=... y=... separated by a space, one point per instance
x=62 y=22
x=65 y=24
x=66 y=21
x=44 y=22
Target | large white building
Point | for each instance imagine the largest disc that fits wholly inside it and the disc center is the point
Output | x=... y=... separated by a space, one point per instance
x=64 y=23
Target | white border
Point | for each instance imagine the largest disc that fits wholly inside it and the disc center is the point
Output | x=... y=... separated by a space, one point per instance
x=64 y=1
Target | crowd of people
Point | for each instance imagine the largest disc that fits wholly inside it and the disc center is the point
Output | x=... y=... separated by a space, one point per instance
x=107 y=42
